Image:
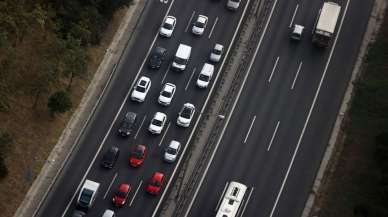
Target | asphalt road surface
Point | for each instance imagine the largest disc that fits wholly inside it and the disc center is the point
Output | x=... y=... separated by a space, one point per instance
x=277 y=134
x=101 y=133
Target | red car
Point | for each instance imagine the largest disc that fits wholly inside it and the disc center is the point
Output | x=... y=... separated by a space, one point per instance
x=138 y=155
x=121 y=195
x=155 y=184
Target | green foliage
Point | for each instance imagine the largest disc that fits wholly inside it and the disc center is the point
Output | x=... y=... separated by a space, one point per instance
x=59 y=102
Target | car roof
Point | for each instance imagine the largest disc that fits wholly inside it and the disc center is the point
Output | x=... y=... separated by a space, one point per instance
x=202 y=18
x=188 y=105
x=159 y=115
x=169 y=87
x=170 y=19
x=157 y=176
x=124 y=187
x=218 y=46
x=207 y=69
x=130 y=115
x=174 y=144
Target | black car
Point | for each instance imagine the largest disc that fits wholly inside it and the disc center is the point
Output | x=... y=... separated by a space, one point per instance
x=157 y=57
x=127 y=124
x=110 y=157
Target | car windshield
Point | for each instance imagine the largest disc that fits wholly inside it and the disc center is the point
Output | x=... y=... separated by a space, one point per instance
x=171 y=151
x=203 y=77
x=199 y=24
x=120 y=194
x=179 y=60
x=167 y=26
x=166 y=94
x=186 y=113
x=140 y=89
x=218 y=52
x=86 y=196
x=156 y=122
x=138 y=153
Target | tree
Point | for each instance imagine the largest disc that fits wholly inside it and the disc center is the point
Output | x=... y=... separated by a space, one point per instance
x=59 y=102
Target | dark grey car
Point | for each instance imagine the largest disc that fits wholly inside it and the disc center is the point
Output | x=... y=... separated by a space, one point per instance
x=110 y=157
x=127 y=124
x=157 y=57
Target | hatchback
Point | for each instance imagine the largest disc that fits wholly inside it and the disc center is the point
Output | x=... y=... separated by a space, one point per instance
x=155 y=184
x=121 y=196
x=138 y=155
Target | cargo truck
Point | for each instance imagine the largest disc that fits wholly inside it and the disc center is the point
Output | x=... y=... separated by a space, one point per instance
x=325 y=26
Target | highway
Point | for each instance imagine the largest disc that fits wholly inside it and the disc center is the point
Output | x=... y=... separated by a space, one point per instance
x=101 y=132
x=276 y=135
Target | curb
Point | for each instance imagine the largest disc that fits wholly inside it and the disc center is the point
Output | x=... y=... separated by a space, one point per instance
x=81 y=116
x=337 y=133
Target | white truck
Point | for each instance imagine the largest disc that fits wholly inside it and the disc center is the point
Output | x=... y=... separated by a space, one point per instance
x=87 y=194
x=325 y=26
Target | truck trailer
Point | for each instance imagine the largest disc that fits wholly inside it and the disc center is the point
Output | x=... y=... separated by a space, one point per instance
x=325 y=26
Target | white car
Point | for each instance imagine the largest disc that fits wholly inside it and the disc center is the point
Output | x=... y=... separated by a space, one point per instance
x=168 y=26
x=200 y=25
x=108 y=213
x=157 y=123
x=172 y=151
x=167 y=94
x=205 y=75
x=186 y=115
x=141 y=89
x=216 y=54
x=297 y=32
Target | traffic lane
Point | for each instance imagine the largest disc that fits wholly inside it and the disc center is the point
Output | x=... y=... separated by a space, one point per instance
x=319 y=131
x=52 y=204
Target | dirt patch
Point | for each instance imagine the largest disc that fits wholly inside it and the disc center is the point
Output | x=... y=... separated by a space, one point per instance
x=35 y=132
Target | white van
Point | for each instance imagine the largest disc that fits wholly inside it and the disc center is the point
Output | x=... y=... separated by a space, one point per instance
x=87 y=194
x=205 y=75
x=233 y=4
x=182 y=57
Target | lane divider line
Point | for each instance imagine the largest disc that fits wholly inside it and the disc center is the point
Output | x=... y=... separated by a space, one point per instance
x=296 y=75
x=222 y=196
x=165 y=74
x=293 y=16
x=141 y=124
x=250 y=128
x=273 y=69
x=189 y=23
x=164 y=134
x=246 y=203
x=191 y=76
x=110 y=185
x=273 y=136
x=137 y=189
x=214 y=25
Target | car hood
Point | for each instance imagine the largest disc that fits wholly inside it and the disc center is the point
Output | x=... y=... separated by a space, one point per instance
x=169 y=157
x=153 y=189
x=164 y=99
x=135 y=162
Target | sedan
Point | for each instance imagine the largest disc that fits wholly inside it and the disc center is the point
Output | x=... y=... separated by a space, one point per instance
x=127 y=124
x=141 y=89
x=155 y=184
x=216 y=54
x=167 y=94
x=137 y=156
x=121 y=196
x=110 y=157
x=186 y=115
x=200 y=25
x=168 y=26
x=157 y=57
x=157 y=123
x=172 y=151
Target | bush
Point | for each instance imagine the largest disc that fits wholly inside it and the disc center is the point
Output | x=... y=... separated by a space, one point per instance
x=59 y=102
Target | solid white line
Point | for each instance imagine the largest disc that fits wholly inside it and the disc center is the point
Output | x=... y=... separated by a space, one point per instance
x=211 y=31
x=296 y=76
x=191 y=76
x=189 y=23
x=293 y=16
x=233 y=107
x=200 y=114
x=222 y=196
x=164 y=134
x=137 y=189
x=165 y=74
x=137 y=132
x=115 y=118
x=273 y=136
x=309 y=114
x=273 y=69
x=110 y=185
x=246 y=203
x=250 y=127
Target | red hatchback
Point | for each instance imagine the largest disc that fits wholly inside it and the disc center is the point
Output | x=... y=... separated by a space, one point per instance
x=155 y=184
x=121 y=195
x=138 y=155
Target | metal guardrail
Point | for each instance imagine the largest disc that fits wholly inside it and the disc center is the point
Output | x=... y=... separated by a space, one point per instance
x=259 y=11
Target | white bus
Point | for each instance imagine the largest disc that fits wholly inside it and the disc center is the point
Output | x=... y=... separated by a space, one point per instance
x=232 y=200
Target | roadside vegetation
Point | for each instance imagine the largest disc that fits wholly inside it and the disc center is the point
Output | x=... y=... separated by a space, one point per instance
x=359 y=185
x=49 y=50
